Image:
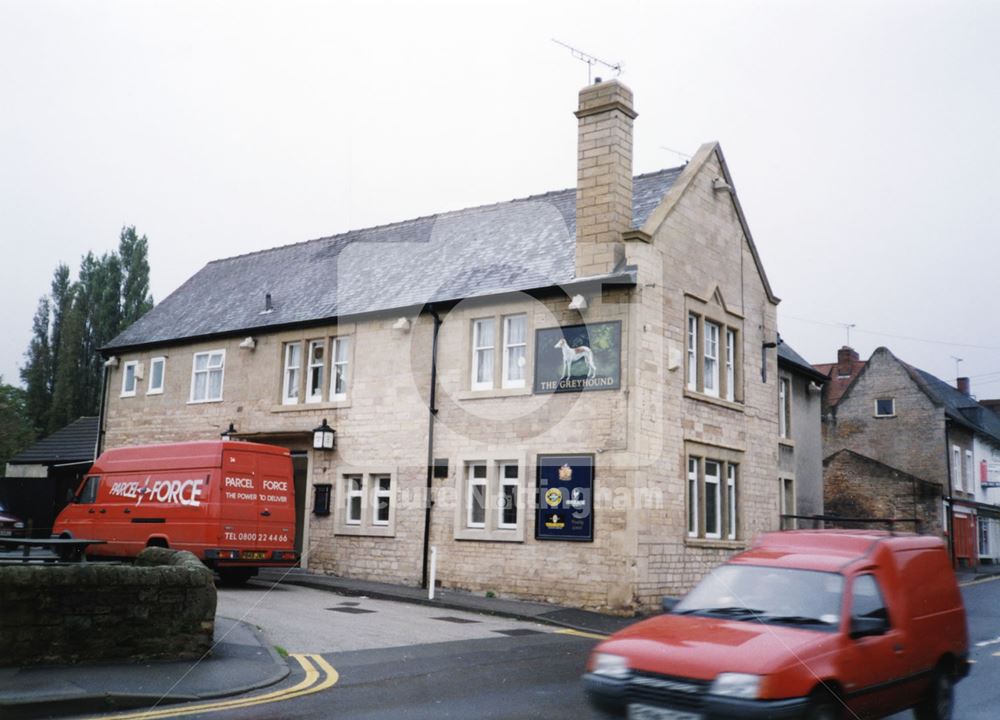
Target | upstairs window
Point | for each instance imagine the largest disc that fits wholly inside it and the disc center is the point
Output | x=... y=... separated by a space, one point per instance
x=157 y=368
x=784 y=407
x=692 y=353
x=515 y=343
x=730 y=365
x=129 y=378
x=317 y=364
x=207 y=373
x=483 y=331
x=885 y=407
x=339 y=375
x=293 y=369
x=711 y=374
x=713 y=358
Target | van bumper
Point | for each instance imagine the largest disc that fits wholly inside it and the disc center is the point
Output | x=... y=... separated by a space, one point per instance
x=612 y=696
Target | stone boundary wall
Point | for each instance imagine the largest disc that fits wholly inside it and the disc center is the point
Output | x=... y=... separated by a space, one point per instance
x=162 y=607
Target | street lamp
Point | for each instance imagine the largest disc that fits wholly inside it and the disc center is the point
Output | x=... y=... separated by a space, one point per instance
x=228 y=433
x=324 y=437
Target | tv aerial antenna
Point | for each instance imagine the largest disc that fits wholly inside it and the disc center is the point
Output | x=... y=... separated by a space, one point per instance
x=590 y=60
x=958 y=364
x=847 y=327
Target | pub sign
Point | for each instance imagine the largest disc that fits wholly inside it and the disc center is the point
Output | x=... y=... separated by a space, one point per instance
x=575 y=358
x=565 y=498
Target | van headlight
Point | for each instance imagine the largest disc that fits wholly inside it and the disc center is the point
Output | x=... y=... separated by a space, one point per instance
x=19 y=525
x=612 y=666
x=737 y=685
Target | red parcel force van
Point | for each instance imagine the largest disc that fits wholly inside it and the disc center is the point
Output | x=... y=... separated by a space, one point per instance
x=230 y=503
x=806 y=624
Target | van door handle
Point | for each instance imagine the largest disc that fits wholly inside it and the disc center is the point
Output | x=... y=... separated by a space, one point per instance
x=266 y=513
x=91 y=511
x=128 y=510
x=103 y=510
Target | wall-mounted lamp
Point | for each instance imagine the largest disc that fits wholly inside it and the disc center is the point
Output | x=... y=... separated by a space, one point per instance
x=579 y=302
x=720 y=185
x=111 y=362
x=248 y=343
x=228 y=433
x=324 y=437
x=402 y=325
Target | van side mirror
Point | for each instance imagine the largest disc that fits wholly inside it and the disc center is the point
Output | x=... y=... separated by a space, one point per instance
x=863 y=626
x=669 y=603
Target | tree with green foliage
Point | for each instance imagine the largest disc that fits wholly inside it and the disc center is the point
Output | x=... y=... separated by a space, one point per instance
x=37 y=369
x=63 y=369
x=17 y=430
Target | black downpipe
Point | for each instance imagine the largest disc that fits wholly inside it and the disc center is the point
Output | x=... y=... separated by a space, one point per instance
x=431 y=412
x=101 y=412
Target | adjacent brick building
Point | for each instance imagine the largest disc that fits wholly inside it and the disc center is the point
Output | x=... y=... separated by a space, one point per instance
x=584 y=380
x=907 y=419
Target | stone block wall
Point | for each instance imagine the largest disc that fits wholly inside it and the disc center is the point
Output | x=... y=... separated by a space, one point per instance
x=163 y=607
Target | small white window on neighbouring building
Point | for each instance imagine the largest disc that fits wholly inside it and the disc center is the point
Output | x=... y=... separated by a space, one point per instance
x=784 y=407
x=956 y=467
x=128 y=378
x=339 y=375
x=157 y=368
x=483 y=331
x=515 y=343
x=207 y=373
x=885 y=407
x=970 y=480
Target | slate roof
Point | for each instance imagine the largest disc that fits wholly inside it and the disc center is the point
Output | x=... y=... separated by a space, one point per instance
x=73 y=443
x=957 y=405
x=522 y=244
x=791 y=359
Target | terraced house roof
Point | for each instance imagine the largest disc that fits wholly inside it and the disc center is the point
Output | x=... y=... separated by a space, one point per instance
x=519 y=245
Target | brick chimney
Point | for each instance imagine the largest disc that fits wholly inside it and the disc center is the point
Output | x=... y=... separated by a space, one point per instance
x=846 y=357
x=964 y=386
x=604 y=176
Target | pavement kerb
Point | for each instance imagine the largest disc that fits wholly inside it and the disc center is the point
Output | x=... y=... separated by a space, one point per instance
x=443 y=603
x=102 y=702
x=979 y=581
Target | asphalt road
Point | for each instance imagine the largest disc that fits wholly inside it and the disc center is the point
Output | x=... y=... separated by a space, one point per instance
x=394 y=660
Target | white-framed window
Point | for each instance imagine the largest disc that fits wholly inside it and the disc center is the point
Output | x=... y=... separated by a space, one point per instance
x=692 y=352
x=207 y=375
x=355 y=499
x=713 y=499
x=510 y=483
x=483 y=341
x=711 y=376
x=129 y=380
x=382 y=490
x=731 y=470
x=339 y=374
x=713 y=493
x=317 y=365
x=956 y=467
x=515 y=343
x=692 y=525
x=475 y=498
x=885 y=407
x=157 y=370
x=730 y=364
x=293 y=369
x=366 y=501
x=970 y=482
x=490 y=498
x=784 y=407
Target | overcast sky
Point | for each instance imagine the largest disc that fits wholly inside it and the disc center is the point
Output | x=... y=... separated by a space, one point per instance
x=862 y=136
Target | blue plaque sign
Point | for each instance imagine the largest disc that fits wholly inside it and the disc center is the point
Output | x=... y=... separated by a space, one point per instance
x=565 y=498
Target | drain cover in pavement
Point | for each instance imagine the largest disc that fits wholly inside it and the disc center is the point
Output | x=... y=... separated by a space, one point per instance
x=518 y=632
x=355 y=610
x=455 y=620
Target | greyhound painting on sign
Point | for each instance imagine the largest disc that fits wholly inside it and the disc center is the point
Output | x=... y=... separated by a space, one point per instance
x=577 y=358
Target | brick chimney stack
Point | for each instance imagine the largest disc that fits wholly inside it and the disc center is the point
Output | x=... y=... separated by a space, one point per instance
x=604 y=176
x=964 y=386
x=846 y=357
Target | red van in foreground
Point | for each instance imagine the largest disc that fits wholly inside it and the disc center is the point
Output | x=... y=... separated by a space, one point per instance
x=230 y=503
x=806 y=624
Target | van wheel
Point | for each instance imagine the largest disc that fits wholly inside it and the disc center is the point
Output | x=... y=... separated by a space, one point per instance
x=234 y=577
x=823 y=706
x=157 y=542
x=940 y=699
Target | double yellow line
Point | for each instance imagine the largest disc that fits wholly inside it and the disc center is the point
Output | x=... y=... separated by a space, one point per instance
x=318 y=677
